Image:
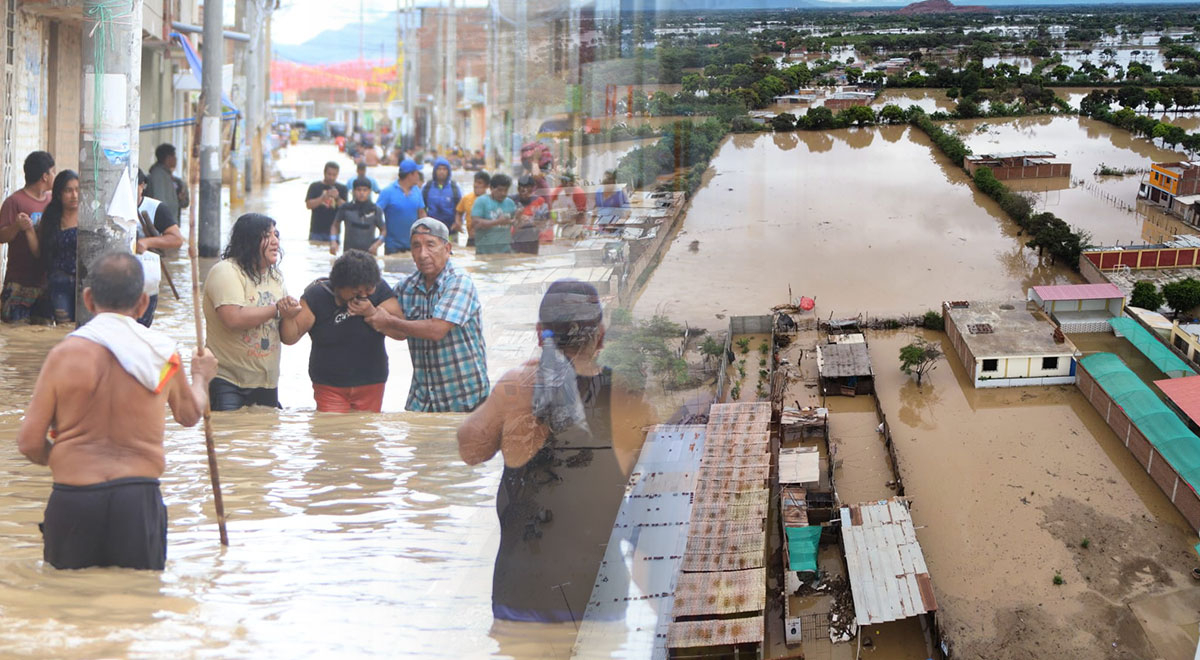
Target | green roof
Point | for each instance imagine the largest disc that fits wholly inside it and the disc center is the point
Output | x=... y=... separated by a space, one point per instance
x=1161 y=426
x=802 y=547
x=1156 y=351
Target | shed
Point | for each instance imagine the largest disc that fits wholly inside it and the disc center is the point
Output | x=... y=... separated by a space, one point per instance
x=845 y=369
x=1184 y=394
x=888 y=577
x=1080 y=308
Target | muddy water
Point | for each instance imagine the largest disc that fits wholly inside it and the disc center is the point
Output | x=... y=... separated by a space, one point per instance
x=862 y=471
x=929 y=100
x=1005 y=483
x=1105 y=206
x=866 y=220
x=351 y=535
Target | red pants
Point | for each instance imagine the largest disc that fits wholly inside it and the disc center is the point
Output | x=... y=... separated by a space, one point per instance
x=368 y=398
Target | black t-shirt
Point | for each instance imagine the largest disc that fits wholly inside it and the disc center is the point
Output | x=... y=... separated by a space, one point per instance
x=346 y=352
x=322 y=216
x=163 y=220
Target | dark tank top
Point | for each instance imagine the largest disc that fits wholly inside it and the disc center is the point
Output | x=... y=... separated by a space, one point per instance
x=556 y=516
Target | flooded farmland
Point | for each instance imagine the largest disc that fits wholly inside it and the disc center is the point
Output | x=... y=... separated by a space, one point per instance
x=1104 y=206
x=837 y=215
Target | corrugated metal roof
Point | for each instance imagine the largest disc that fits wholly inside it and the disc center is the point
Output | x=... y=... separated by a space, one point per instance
x=727 y=592
x=888 y=577
x=1184 y=393
x=626 y=617
x=720 y=632
x=1078 y=291
x=799 y=465
x=1013 y=154
x=843 y=360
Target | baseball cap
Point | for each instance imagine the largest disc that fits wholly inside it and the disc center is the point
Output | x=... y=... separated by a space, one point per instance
x=430 y=226
x=407 y=166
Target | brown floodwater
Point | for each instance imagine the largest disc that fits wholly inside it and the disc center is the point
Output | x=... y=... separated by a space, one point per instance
x=350 y=535
x=871 y=220
x=1005 y=483
x=929 y=100
x=1104 y=206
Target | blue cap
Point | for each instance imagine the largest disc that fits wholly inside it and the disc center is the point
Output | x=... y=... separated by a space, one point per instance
x=407 y=166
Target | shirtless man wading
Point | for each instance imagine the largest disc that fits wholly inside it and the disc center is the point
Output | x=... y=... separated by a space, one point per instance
x=100 y=394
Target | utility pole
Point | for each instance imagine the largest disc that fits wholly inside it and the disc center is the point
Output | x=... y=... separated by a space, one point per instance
x=254 y=19
x=213 y=56
x=112 y=74
x=451 y=77
x=520 y=79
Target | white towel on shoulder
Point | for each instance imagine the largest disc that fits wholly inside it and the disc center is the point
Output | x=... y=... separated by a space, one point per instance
x=147 y=355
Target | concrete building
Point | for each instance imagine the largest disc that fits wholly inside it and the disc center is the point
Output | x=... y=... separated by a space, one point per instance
x=1006 y=345
x=1173 y=186
x=1018 y=165
x=40 y=98
x=1079 y=307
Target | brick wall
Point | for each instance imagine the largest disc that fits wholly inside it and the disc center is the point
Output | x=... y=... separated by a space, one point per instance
x=1164 y=476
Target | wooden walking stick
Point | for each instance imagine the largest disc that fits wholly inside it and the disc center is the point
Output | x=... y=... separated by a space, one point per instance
x=194 y=255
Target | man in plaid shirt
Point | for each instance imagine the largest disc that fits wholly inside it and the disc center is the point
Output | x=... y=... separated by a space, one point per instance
x=442 y=324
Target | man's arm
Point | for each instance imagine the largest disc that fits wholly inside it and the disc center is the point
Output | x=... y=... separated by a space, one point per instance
x=32 y=438
x=313 y=202
x=169 y=240
x=188 y=401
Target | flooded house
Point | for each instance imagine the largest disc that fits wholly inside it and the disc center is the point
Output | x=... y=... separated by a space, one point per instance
x=842 y=100
x=1175 y=187
x=1018 y=165
x=1079 y=307
x=1007 y=345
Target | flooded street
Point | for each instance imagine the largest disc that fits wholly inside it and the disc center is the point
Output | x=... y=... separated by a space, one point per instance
x=350 y=535
x=837 y=216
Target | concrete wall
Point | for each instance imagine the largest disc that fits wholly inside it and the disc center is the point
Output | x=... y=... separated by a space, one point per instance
x=1164 y=476
x=158 y=104
x=64 y=90
x=29 y=104
x=1012 y=368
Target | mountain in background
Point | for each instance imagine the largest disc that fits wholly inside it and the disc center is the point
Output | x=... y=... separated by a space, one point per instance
x=941 y=7
x=341 y=45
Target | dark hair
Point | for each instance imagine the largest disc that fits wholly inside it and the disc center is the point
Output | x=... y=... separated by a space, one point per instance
x=362 y=182
x=164 y=151
x=484 y=177
x=526 y=181
x=331 y=164
x=142 y=178
x=501 y=181
x=116 y=281
x=37 y=163
x=51 y=221
x=245 y=244
x=359 y=166
x=571 y=310
x=354 y=268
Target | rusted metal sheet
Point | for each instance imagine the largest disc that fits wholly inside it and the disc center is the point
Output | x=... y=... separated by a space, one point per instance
x=757 y=511
x=725 y=498
x=753 y=473
x=727 y=592
x=720 y=632
x=727 y=486
x=728 y=561
x=722 y=528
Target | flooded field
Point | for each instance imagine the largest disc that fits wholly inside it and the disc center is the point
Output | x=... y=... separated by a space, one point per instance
x=1105 y=206
x=866 y=220
x=1005 y=486
x=929 y=100
x=351 y=535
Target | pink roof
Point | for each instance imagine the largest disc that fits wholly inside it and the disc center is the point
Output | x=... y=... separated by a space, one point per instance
x=1078 y=292
x=1185 y=392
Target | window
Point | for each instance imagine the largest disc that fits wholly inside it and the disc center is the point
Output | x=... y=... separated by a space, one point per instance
x=991 y=365
x=1180 y=343
x=1049 y=363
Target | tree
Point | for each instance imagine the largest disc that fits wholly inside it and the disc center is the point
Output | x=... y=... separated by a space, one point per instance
x=892 y=114
x=783 y=122
x=1146 y=296
x=920 y=357
x=1182 y=296
x=853 y=74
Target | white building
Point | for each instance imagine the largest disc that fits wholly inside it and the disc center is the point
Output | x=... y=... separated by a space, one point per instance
x=1006 y=345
